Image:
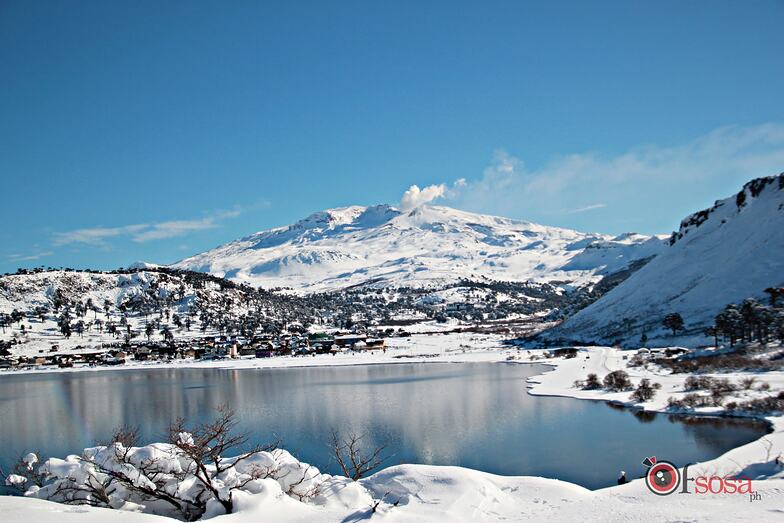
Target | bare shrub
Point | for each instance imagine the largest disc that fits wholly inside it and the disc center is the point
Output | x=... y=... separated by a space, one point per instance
x=772 y=405
x=353 y=460
x=697 y=383
x=725 y=362
x=689 y=402
x=617 y=381
x=644 y=391
x=592 y=382
x=24 y=474
x=179 y=478
x=208 y=444
x=637 y=361
x=723 y=386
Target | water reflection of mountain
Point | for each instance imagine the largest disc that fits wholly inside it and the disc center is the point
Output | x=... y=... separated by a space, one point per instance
x=474 y=415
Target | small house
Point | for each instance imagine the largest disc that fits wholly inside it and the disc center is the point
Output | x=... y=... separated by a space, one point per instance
x=375 y=343
x=349 y=340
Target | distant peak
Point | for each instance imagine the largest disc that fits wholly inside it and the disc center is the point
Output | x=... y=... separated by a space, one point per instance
x=143 y=265
x=335 y=216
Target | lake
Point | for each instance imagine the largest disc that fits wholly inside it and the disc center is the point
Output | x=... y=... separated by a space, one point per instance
x=475 y=415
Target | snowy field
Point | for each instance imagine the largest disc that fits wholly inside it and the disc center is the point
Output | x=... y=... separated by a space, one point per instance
x=432 y=493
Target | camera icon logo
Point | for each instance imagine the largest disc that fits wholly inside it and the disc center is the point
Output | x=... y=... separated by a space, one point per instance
x=662 y=477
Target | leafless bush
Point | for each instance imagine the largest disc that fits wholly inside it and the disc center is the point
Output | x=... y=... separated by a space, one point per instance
x=726 y=362
x=645 y=391
x=636 y=361
x=591 y=383
x=723 y=386
x=748 y=383
x=697 y=383
x=690 y=401
x=617 y=381
x=303 y=488
x=773 y=405
x=177 y=478
x=354 y=461
x=24 y=473
x=208 y=444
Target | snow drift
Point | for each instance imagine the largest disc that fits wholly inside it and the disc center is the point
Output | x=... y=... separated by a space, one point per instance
x=160 y=479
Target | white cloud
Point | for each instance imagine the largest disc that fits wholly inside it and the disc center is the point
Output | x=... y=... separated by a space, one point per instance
x=414 y=196
x=591 y=207
x=29 y=257
x=171 y=229
x=96 y=235
x=651 y=182
x=144 y=232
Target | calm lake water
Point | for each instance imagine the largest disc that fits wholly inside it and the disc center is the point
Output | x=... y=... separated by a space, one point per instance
x=474 y=415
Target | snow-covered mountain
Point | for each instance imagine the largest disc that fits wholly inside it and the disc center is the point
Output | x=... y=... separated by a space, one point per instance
x=724 y=254
x=429 y=245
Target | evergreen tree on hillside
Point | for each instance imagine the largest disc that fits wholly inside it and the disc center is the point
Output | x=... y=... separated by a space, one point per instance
x=674 y=322
x=714 y=333
x=729 y=323
x=775 y=293
x=64 y=323
x=58 y=300
x=167 y=333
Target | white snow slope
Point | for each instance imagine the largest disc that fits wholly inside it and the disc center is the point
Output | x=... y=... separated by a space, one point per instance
x=428 y=245
x=721 y=255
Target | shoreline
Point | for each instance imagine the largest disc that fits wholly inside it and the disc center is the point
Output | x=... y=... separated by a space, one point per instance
x=498 y=354
x=555 y=380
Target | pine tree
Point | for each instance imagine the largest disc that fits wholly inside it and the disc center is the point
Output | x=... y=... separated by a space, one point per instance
x=674 y=322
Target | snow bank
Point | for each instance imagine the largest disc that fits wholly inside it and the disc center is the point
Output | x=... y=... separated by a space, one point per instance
x=422 y=493
x=147 y=479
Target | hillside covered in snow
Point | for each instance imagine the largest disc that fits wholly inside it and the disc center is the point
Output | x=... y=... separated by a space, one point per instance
x=727 y=253
x=428 y=246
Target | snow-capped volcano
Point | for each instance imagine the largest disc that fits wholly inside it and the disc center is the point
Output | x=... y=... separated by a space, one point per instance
x=382 y=245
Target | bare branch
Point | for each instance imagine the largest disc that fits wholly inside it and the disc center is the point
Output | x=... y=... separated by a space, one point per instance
x=354 y=462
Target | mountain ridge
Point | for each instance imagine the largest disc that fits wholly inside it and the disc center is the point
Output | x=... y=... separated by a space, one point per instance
x=720 y=255
x=428 y=245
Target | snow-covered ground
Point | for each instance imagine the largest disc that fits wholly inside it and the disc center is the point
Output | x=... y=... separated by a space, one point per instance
x=437 y=494
x=431 y=493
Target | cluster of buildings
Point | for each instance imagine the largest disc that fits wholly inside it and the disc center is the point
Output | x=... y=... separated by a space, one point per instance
x=205 y=348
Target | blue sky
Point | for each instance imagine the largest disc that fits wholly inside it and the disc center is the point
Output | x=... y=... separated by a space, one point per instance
x=151 y=130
